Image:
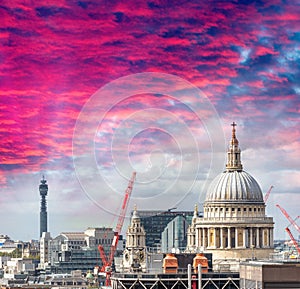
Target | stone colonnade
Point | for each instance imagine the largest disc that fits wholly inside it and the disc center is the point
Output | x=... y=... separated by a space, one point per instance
x=234 y=237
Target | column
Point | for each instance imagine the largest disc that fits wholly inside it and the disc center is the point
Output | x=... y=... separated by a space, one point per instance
x=257 y=238
x=236 y=238
x=229 y=238
x=271 y=239
x=268 y=238
x=263 y=238
x=251 y=237
x=215 y=238
x=198 y=239
x=203 y=238
x=221 y=238
x=208 y=237
x=244 y=237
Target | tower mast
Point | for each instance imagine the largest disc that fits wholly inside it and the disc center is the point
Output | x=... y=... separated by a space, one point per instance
x=43 y=188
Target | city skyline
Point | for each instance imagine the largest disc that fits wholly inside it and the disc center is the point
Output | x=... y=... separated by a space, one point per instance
x=66 y=68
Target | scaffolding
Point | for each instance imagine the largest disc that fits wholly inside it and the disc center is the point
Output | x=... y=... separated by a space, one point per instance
x=188 y=280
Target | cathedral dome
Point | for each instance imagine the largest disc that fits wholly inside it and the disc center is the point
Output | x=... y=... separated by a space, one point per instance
x=234 y=186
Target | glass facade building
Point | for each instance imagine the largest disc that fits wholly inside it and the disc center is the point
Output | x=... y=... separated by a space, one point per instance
x=155 y=222
x=174 y=237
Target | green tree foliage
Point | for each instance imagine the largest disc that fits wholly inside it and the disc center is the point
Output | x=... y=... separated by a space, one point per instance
x=17 y=253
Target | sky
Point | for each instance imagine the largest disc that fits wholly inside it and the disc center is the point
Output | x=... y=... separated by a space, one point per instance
x=94 y=90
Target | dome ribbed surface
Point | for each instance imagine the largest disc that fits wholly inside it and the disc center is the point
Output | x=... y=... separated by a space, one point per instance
x=234 y=186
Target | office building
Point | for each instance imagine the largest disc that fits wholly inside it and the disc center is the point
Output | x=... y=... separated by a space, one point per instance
x=71 y=251
x=174 y=235
x=155 y=222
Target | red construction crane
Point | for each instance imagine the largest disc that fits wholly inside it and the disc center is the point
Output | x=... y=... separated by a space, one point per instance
x=295 y=243
x=289 y=218
x=268 y=194
x=292 y=222
x=107 y=261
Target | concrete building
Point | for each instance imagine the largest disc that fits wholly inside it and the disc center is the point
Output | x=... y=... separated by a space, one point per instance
x=3 y=261
x=44 y=250
x=264 y=275
x=31 y=249
x=73 y=280
x=7 y=245
x=16 y=266
x=234 y=223
x=71 y=251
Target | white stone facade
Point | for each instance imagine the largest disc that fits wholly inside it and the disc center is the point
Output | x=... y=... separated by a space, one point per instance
x=135 y=253
x=234 y=224
x=44 y=249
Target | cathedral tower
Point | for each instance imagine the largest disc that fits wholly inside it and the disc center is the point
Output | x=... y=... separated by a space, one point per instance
x=234 y=223
x=43 y=188
x=135 y=253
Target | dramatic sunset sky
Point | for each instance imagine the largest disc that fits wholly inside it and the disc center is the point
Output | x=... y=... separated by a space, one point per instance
x=93 y=90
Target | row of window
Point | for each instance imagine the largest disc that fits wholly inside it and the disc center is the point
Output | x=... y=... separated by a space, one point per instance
x=98 y=241
x=76 y=242
x=233 y=209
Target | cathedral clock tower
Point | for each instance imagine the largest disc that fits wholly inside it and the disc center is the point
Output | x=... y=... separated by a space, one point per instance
x=135 y=253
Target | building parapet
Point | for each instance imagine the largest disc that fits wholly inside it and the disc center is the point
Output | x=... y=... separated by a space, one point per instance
x=251 y=220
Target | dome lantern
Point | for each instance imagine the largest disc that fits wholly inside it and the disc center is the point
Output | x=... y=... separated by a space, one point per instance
x=234 y=153
x=234 y=184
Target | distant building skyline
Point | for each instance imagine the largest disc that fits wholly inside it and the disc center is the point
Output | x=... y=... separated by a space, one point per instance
x=242 y=55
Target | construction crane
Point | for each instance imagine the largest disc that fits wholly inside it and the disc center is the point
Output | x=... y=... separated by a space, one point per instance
x=268 y=194
x=107 y=261
x=293 y=222
x=295 y=243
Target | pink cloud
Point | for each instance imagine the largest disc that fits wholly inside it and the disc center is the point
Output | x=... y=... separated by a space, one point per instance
x=55 y=56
